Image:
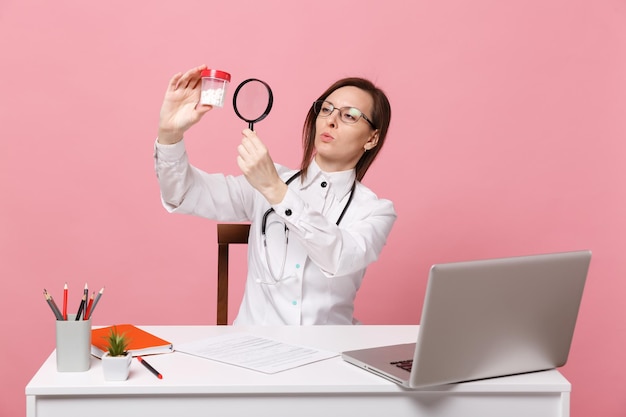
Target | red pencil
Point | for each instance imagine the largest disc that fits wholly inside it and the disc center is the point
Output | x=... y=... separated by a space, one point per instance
x=65 y=302
x=95 y=302
x=89 y=304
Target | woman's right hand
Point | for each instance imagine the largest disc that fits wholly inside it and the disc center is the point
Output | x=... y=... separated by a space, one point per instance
x=181 y=109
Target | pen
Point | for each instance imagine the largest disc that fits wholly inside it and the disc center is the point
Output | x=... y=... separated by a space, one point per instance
x=52 y=305
x=82 y=303
x=65 y=302
x=150 y=368
x=95 y=302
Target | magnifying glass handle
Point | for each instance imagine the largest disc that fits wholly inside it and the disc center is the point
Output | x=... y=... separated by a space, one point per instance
x=250 y=125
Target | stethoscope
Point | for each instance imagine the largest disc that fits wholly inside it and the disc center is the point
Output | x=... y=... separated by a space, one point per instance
x=278 y=278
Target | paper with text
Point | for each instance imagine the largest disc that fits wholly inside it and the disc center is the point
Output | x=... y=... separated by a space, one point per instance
x=253 y=352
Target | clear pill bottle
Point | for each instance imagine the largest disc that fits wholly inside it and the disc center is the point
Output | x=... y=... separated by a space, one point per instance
x=214 y=85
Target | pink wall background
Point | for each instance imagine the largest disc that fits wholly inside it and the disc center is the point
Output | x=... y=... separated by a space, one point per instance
x=507 y=139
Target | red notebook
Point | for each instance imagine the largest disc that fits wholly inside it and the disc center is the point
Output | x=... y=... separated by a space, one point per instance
x=141 y=342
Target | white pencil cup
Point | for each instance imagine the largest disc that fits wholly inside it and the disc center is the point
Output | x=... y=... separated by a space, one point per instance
x=73 y=344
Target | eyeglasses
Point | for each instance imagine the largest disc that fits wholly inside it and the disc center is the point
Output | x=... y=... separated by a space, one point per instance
x=349 y=115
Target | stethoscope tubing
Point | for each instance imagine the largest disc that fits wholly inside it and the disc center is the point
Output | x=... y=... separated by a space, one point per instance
x=275 y=279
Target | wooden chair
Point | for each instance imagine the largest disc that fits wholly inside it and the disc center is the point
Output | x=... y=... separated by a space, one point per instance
x=227 y=234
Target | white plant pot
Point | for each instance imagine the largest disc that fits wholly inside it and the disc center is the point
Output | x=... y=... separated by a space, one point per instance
x=116 y=368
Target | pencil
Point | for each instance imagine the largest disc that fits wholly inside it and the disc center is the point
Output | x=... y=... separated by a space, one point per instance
x=88 y=309
x=65 y=302
x=57 y=313
x=82 y=302
x=95 y=302
x=52 y=305
x=150 y=368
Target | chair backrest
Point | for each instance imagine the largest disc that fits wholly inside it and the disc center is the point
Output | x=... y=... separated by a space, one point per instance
x=227 y=234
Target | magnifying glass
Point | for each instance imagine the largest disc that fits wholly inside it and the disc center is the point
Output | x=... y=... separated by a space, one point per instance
x=253 y=101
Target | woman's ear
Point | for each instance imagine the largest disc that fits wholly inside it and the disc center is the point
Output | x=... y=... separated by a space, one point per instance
x=371 y=142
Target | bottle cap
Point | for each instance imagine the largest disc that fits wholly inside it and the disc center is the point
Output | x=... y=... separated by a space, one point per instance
x=222 y=75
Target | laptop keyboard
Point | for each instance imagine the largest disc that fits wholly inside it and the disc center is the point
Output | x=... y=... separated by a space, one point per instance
x=406 y=364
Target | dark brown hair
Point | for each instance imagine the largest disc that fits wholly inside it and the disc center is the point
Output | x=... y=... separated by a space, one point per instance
x=381 y=117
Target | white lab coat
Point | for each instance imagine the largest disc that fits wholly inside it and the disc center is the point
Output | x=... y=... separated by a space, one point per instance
x=324 y=263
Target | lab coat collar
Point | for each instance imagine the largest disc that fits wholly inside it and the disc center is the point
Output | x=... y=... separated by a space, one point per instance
x=341 y=181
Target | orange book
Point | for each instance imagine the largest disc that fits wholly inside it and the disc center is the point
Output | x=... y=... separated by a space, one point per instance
x=140 y=341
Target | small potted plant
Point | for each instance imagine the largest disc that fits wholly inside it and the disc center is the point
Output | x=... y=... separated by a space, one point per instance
x=116 y=360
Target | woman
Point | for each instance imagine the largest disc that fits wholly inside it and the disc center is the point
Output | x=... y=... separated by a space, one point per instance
x=314 y=231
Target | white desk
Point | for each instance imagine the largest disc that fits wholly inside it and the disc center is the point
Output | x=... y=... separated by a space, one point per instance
x=193 y=386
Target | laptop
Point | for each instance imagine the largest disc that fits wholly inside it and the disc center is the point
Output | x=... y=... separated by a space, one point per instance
x=488 y=318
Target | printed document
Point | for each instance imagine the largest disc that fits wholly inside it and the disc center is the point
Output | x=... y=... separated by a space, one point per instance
x=253 y=352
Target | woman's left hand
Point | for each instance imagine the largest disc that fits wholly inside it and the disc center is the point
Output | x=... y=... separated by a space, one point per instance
x=257 y=166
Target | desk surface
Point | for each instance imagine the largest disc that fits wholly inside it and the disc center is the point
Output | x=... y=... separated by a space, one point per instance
x=189 y=375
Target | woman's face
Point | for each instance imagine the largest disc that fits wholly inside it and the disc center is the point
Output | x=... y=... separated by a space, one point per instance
x=339 y=145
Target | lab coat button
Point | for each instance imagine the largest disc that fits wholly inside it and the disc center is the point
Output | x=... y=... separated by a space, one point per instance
x=324 y=184
x=288 y=212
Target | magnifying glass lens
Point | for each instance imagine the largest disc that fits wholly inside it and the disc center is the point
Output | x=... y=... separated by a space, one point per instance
x=253 y=101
